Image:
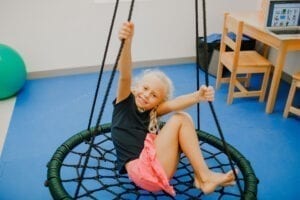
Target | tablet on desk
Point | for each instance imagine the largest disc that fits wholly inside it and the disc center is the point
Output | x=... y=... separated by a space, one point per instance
x=283 y=17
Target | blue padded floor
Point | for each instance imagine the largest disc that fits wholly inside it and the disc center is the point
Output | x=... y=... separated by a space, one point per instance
x=49 y=111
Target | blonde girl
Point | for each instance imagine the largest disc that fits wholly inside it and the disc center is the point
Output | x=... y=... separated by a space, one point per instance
x=148 y=155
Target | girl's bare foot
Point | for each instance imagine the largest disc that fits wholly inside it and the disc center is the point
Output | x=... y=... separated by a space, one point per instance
x=232 y=181
x=214 y=180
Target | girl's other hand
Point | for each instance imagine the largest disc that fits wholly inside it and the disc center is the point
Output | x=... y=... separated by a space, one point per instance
x=206 y=93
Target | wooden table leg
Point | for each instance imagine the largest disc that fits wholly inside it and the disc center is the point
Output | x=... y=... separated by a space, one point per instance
x=276 y=78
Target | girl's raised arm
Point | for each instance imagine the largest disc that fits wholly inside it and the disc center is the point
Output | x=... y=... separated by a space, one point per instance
x=125 y=62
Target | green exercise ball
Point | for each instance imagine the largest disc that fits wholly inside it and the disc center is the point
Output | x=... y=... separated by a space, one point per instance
x=12 y=72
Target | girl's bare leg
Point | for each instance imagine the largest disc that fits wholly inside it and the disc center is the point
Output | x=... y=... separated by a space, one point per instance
x=177 y=135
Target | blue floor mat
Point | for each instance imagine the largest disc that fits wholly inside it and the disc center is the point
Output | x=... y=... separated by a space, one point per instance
x=49 y=111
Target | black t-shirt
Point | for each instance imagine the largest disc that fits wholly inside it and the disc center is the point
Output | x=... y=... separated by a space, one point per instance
x=129 y=129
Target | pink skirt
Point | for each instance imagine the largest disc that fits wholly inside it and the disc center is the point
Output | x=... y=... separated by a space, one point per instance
x=147 y=172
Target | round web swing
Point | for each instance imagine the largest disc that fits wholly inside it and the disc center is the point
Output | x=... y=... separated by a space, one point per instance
x=83 y=167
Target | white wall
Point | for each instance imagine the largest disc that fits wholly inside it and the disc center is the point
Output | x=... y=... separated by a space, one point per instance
x=62 y=34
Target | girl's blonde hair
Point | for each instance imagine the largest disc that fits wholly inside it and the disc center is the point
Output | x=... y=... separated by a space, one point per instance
x=153 y=125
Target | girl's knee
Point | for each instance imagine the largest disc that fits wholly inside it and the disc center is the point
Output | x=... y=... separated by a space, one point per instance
x=182 y=117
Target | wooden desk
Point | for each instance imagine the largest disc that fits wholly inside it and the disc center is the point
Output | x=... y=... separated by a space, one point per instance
x=254 y=27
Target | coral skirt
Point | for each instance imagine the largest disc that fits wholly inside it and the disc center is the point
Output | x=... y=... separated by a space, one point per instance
x=147 y=172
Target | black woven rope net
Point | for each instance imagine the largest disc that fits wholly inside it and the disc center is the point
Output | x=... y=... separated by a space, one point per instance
x=102 y=181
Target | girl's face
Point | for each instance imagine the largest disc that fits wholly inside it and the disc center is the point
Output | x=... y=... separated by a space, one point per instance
x=149 y=93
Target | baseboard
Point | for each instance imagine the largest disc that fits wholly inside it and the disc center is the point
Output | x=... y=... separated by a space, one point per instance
x=94 y=69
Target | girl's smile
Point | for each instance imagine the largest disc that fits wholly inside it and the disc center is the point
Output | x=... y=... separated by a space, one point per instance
x=149 y=93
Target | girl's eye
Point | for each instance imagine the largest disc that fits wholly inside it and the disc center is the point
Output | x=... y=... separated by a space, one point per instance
x=145 y=88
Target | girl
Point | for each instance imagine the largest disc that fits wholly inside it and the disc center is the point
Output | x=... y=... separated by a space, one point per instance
x=148 y=155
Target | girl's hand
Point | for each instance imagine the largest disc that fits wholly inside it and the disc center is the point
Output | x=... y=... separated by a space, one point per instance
x=206 y=93
x=126 y=31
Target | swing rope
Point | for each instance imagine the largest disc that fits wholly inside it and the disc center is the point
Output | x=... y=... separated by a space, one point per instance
x=106 y=92
x=197 y=59
x=114 y=69
x=207 y=84
x=103 y=64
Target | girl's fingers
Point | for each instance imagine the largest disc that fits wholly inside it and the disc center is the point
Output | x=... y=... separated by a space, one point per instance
x=126 y=30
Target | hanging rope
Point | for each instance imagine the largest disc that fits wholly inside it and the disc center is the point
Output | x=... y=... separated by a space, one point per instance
x=103 y=64
x=80 y=178
x=197 y=60
x=207 y=84
x=114 y=69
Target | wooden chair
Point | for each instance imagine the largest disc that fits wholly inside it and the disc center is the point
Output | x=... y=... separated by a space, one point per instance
x=288 y=107
x=241 y=64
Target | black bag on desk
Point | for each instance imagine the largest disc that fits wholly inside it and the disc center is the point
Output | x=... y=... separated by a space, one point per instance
x=213 y=46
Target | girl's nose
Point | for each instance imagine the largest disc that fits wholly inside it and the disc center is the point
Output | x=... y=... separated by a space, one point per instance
x=146 y=93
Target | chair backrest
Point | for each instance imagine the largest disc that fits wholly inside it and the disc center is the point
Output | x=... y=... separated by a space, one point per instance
x=232 y=36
